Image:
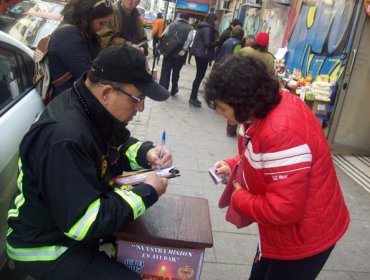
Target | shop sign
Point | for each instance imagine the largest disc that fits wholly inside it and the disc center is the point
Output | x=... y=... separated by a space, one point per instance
x=160 y=263
x=367 y=6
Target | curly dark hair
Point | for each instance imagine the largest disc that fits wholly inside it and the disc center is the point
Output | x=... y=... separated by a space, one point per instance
x=82 y=12
x=244 y=84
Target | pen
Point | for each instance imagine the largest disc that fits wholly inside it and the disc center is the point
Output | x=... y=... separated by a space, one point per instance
x=162 y=145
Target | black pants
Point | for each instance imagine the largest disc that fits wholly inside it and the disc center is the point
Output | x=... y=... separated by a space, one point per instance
x=81 y=264
x=304 y=269
x=174 y=64
x=202 y=64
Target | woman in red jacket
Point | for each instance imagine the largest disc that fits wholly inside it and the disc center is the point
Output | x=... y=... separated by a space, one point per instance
x=286 y=180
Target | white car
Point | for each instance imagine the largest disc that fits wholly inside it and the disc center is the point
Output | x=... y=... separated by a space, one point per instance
x=20 y=103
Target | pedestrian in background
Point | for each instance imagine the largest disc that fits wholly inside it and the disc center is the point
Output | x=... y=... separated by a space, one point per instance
x=203 y=51
x=259 y=49
x=74 y=44
x=248 y=40
x=173 y=62
x=283 y=177
x=232 y=45
x=193 y=32
x=227 y=32
x=125 y=27
x=67 y=158
x=157 y=30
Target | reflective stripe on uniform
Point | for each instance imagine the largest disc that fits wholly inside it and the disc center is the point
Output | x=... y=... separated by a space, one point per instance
x=45 y=253
x=131 y=154
x=135 y=201
x=19 y=199
x=78 y=230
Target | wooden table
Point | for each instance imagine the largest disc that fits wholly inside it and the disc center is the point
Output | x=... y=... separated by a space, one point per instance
x=174 y=221
x=168 y=241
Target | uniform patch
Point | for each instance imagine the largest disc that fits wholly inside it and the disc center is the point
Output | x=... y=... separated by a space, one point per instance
x=104 y=166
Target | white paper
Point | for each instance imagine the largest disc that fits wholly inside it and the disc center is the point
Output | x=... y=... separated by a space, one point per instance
x=212 y=172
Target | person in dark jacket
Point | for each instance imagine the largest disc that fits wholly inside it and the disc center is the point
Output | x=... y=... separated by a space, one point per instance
x=65 y=202
x=174 y=62
x=202 y=49
x=227 y=32
x=231 y=45
x=74 y=44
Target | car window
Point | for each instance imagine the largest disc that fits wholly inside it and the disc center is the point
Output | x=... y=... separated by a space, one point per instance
x=16 y=72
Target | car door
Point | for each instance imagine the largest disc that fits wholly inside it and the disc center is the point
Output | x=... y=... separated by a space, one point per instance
x=20 y=103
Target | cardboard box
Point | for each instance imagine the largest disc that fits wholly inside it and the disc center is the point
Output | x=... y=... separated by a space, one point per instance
x=320 y=107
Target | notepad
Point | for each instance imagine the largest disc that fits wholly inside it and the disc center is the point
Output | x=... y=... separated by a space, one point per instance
x=137 y=177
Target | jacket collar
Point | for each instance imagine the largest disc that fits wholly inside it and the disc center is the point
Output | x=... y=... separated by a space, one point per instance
x=100 y=116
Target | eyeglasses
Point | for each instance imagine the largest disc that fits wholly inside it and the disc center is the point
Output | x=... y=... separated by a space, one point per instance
x=136 y=99
x=107 y=3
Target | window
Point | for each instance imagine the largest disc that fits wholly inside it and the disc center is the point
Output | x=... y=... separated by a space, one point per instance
x=16 y=72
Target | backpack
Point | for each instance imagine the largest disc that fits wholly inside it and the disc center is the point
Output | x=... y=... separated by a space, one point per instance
x=42 y=78
x=169 y=43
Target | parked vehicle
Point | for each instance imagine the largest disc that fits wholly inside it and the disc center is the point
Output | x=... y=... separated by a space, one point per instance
x=20 y=103
x=34 y=20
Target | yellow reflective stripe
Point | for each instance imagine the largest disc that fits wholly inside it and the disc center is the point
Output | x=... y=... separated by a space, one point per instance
x=19 y=199
x=131 y=154
x=79 y=229
x=45 y=253
x=135 y=201
x=20 y=175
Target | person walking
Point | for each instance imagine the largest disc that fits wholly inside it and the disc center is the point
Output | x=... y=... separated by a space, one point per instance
x=65 y=204
x=74 y=44
x=283 y=177
x=232 y=45
x=203 y=48
x=259 y=49
x=173 y=62
x=227 y=32
x=157 y=31
x=125 y=27
x=193 y=32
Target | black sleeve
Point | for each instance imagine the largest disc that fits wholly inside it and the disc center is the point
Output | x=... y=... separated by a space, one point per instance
x=80 y=206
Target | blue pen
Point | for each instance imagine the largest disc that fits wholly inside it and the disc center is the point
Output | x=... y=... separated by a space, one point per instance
x=162 y=144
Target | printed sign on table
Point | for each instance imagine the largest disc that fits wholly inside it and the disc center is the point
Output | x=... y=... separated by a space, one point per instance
x=160 y=263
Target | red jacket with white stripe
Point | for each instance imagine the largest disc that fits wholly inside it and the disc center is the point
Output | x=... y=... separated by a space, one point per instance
x=291 y=188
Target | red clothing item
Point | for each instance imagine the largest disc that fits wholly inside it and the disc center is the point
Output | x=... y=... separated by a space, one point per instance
x=292 y=189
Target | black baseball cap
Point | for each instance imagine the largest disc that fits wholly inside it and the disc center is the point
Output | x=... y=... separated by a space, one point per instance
x=127 y=65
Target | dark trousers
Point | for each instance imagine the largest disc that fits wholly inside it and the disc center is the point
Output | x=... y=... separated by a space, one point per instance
x=304 y=269
x=189 y=55
x=81 y=264
x=202 y=64
x=174 y=64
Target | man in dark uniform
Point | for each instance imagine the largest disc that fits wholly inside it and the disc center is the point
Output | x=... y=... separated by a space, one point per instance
x=65 y=204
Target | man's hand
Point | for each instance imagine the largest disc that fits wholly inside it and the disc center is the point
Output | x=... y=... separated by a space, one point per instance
x=222 y=169
x=158 y=183
x=153 y=158
x=139 y=48
x=181 y=53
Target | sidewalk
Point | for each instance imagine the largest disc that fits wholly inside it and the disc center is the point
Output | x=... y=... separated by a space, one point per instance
x=197 y=138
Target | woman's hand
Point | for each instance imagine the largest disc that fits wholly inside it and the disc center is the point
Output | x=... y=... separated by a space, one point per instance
x=222 y=169
x=158 y=160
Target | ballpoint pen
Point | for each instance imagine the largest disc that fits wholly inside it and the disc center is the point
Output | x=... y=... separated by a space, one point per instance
x=162 y=145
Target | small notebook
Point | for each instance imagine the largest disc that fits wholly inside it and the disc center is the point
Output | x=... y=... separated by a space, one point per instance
x=212 y=172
